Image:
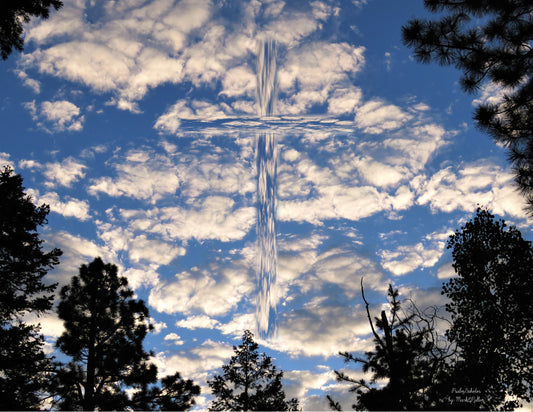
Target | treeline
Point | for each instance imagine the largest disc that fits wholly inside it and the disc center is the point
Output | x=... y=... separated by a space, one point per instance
x=478 y=355
x=104 y=329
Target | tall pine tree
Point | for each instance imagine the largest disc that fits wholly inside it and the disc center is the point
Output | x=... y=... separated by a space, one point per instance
x=492 y=315
x=250 y=382
x=23 y=265
x=104 y=332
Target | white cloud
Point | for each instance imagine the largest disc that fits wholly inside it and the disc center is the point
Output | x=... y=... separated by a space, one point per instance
x=198 y=322
x=128 y=65
x=313 y=72
x=376 y=117
x=170 y=121
x=239 y=81
x=158 y=326
x=213 y=290
x=141 y=274
x=214 y=217
x=140 y=248
x=299 y=383
x=446 y=271
x=322 y=10
x=27 y=81
x=65 y=173
x=290 y=28
x=77 y=250
x=50 y=324
x=56 y=116
x=194 y=363
x=143 y=175
x=407 y=258
x=484 y=184
x=176 y=339
x=424 y=254
x=491 y=93
x=63 y=114
x=322 y=331
x=68 y=208
x=6 y=161
x=344 y=101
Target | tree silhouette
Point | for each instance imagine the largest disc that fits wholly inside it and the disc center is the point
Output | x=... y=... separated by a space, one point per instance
x=489 y=41
x=104 y=332
x=407 y=354
x=13 y=13
x=492 y=315
x=250 y=382
x=23 y=264
x=174 y=394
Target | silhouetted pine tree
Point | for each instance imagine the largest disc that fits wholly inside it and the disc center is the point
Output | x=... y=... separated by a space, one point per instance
x=23 y=264
x=104 y=332
x=173 y=394
x=489 y=41
x=250 y=382
x=13 y=14
x=407 y=356
x=492 y=313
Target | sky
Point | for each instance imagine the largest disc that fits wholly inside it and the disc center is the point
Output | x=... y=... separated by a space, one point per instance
x=139 y=123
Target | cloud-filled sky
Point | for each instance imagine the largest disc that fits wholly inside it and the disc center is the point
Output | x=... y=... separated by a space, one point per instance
x=137 y=122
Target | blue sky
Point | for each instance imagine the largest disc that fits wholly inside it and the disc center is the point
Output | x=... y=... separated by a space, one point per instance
x=137 y=122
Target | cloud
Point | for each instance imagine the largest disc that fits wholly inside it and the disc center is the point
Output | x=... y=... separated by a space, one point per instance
x=214 y=217
x=6 y=161
x=468 y=185
x=376 y=116
x=189 y=41
x=77 y=250
x=299 y=383
x=344 y=101
x=198 y=322
x=127 y=64
x=27 y=81
x=176 y=339
x=194 y=363
x=56 y=116
x=50 y=324
x=213 y=290
x=491 y=93
x=141 y=249
x=142 y=274
x=313 y=72
x=142 y=175
x=76 y=208
x=289 y=29
x=64 y=173
x=322 y=331
x=407 y=258
x=158 y=326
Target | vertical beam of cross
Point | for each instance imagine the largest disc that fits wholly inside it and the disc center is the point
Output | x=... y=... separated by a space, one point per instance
x=266 y=158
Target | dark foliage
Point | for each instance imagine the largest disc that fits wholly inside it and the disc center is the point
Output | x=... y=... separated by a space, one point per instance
x=104 y=332
x=23 y=264
x=13 y=14
x=408 y=354
x=173 y=394
x=250 y=382
x=492 y=315
x=489 y=41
